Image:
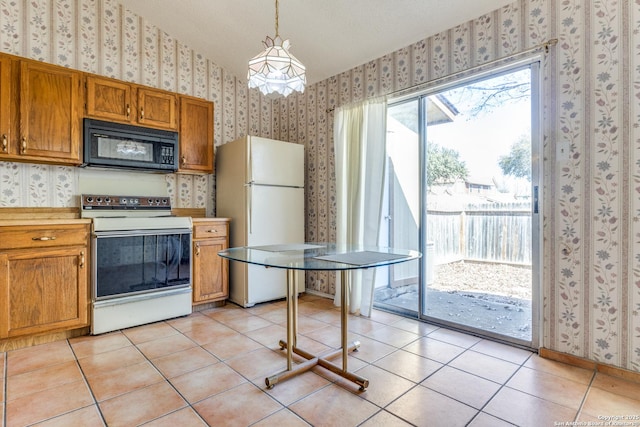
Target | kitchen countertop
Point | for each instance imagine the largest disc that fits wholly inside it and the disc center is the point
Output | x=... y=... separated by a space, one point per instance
x=43 y=222
x=201 y=219
x=39 y=215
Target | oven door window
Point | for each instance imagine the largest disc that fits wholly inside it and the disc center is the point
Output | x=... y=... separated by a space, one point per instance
x=142 y=263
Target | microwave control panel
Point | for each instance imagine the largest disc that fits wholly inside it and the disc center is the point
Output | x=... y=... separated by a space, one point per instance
x=166 y=155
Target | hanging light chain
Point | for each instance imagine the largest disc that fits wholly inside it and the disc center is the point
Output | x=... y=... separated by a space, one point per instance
x=277 y=18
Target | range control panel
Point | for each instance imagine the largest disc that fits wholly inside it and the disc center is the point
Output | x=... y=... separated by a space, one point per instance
x=108 y=202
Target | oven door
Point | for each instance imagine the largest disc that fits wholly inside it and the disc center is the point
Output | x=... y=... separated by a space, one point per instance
x=134 y=262
x=139 y=277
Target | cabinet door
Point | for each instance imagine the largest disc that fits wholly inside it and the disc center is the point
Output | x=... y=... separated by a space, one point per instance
x=196 y=135
x=5 y=104
x=109 y=99
x=157 y=108
x=43 y=290
x=210 y=271
x=50 y=114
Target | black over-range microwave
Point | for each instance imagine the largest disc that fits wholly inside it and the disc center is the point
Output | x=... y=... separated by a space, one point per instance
x=115 y=145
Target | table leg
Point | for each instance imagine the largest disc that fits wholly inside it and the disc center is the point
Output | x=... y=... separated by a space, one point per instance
x=344 y=315
x=292 y=300
x=322 y=360
x=294 y=297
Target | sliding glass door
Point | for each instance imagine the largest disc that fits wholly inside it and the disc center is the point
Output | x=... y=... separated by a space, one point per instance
x=462 y=188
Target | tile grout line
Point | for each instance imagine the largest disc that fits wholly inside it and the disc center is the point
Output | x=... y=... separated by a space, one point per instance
x=379 y=409
x=415 y=384
x=447 y=365
x=479 y=411
x=586 y=393
x=86 y=381
x=165 y=379
x=248 y=380
x=502 y=386
x=330 y=382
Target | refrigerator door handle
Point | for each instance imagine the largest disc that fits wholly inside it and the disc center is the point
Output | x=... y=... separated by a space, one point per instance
x=249 y=160
x=274 y=185
x=249 y=217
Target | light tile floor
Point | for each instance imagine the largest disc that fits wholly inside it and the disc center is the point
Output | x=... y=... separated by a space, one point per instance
x=209 y=369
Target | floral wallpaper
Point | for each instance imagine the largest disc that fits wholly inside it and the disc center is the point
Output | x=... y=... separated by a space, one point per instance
x=101 y=37
x=591 y=202
x=591 y=104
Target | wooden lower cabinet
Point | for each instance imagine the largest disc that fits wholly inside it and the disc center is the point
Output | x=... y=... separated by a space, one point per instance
x=210 y=272
x=43 y=278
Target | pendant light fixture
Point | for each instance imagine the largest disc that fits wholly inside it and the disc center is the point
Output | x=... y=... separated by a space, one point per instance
x=275 y=71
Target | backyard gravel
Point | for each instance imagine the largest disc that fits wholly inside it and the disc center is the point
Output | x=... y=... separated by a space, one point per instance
x=486 y=296
x=488 y=278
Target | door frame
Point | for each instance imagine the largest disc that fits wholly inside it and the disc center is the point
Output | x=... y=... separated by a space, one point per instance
x=534 y=63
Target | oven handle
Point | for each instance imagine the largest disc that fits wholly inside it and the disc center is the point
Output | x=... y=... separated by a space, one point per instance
x=132 y=233
x=123 y=299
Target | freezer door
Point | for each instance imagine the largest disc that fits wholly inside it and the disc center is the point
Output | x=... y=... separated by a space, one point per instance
x=274 y=162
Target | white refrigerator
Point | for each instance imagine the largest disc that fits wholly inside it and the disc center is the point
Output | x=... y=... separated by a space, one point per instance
x=260 y=186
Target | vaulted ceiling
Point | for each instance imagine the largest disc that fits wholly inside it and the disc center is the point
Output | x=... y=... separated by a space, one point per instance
x=327 y=36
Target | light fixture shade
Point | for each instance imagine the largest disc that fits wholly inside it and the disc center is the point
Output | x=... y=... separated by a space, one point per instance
x=275 y=71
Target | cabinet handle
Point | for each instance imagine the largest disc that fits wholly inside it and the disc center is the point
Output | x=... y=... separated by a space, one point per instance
x=183 y=159
x=44 y=238
x=4 y=142
x=128 y=111
x=81 y=259
x=212 y=231
x=197 y=249
x=142 y=113
x=24 y=144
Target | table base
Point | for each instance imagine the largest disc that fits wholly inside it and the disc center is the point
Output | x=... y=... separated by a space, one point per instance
x=313 y=360
x=319 y=360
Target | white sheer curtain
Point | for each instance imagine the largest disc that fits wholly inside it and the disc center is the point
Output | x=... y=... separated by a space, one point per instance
x=360 y=159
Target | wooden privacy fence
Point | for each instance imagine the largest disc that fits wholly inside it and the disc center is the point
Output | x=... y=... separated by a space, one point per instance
x=482 y=232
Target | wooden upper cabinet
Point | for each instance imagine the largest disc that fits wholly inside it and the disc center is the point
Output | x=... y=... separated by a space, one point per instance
x=50 y=113
x=5 y=105
x=115 y=100
x=40 y=112
x=157 y=108
x=196 y=135
x=109 y=99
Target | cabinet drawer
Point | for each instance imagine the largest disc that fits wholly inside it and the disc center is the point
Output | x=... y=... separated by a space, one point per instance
x=210 y=230
x=43 y=236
